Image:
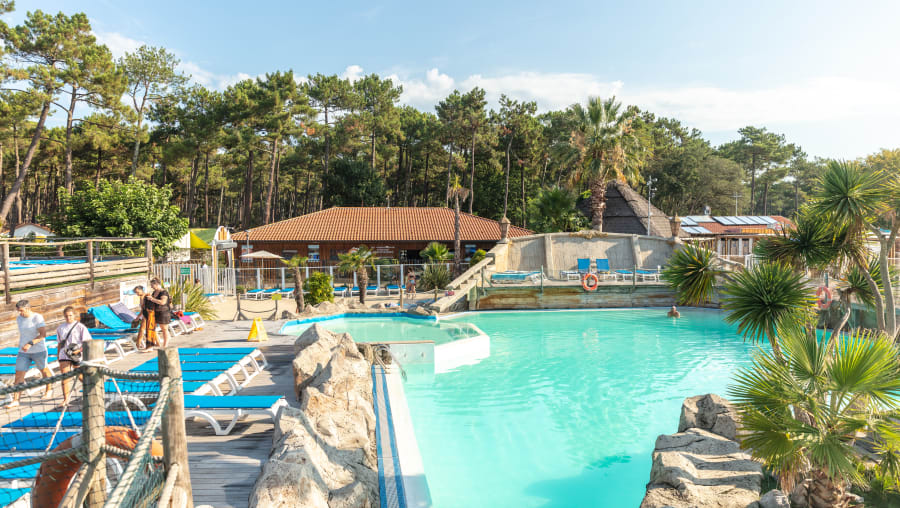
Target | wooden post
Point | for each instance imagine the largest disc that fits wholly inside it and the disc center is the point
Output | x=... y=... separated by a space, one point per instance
x=94 y=421
x=148 y=252
x=6 y=293
x=90 y=258
x=174 y=436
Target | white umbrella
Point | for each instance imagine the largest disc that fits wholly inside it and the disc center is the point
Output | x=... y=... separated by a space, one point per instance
x=261 y=254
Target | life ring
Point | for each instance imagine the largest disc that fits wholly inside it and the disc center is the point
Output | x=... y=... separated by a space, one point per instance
x=826 y=302
x=55 y=475
x=587 y=277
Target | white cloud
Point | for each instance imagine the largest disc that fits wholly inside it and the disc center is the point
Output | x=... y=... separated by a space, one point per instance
x=709 y=108
x=353 y=73
x=117 y=43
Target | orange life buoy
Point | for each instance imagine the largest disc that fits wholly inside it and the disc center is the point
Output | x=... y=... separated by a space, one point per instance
x=587 y=277
x=55 y=475
x=826 y=302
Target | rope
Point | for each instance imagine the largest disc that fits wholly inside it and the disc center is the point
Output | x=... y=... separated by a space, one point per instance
x=169 y=486
x=62 y=415
x=35 y=383
x=43 y=458
x=107 y=371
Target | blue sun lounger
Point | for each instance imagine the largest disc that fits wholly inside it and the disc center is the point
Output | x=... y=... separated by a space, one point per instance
x=390 y=288
x=187 y=353
x=372 y=290
x=603 y=269
x=150 y=388
x=123 y=312
x=29 y=441
x=237 y=407
x=73 y=419
x=10 y=496
x=105 y=316
x=340 y=290
x=515 y=276
x=14 y=475
x=625 y=274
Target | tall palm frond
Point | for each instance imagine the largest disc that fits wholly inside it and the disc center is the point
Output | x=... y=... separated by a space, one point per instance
x=764 y=299
x=358 y=261
x=691 y=272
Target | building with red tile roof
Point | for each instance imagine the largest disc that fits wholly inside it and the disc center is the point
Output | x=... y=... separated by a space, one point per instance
x=392 y=232
x=731 y=235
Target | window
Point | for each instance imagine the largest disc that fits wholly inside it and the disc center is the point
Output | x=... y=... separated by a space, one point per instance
x=312 y=252
x=288 y=254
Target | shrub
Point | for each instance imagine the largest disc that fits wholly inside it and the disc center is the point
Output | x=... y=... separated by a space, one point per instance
x=436 y=277
x=691 y=274
x=478 y=256
x=319 y=287
x=194 y=299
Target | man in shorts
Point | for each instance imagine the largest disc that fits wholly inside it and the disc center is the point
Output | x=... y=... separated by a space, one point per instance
x=32 y=347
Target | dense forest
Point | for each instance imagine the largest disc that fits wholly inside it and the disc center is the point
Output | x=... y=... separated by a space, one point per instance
x=282 y=145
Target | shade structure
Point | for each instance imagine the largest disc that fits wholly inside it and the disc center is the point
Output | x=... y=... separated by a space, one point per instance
x=261 y=254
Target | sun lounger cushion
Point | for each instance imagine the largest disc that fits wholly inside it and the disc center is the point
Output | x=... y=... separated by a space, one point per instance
x=17 y=473
x=49 y=419
x=8 y=496
x=230 y=401
x=108 y=318
x=123 y=312
x=603 y=265
x=30 y=440
x=150 y=388
x=184 y=351
x=584 y=265
x=153 y=366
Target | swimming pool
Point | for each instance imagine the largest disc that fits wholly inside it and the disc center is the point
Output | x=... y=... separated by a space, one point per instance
x=566 y=410
x=375 y=328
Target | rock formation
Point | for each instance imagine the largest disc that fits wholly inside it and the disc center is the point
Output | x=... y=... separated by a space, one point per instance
x=324 y=453
x=702 y=465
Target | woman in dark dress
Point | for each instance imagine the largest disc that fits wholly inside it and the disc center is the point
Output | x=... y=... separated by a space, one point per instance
x=161 y=310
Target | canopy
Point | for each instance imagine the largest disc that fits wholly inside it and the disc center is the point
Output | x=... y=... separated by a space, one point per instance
x=261 y=254
x=190 y=240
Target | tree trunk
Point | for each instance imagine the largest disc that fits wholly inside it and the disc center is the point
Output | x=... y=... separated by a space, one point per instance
x=506 y=190
x=449 y=171
x=137 y=134
x=766 y=199
x=598 y=203
x=425 y=200
x=99 y=167
x=191 y=186
x=23 y=171
x=457 y=251
x=327 y=160
x=373 y=142
x=825 y=493
x=206 y=192
x=752 y=183
x=248 y=191
x=863 y=266
x=298 y=288
x=472 y=174
x=1 y=169
x=267 y=214
x=887 y=246
x=221 y=204
x=70 y=184
x=524 y=220
x=363 y=278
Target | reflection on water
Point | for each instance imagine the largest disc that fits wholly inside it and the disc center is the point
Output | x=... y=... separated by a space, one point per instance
x=382 y=329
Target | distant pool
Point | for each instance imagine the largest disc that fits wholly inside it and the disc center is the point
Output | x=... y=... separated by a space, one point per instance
x=566 y=410
x=374 y=328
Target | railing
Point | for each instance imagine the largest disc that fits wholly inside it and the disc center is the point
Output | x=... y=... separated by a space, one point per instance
x=99 y=451
x=263 y=278
x=38 y=268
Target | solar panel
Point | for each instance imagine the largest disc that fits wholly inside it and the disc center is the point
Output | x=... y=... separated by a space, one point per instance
x=759 y=219
x=739 y=220
x=724 y=220
x=696 y=230
x=768 y=220
x=687 y=221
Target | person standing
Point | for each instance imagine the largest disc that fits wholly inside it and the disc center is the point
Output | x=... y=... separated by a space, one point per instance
x=70 y=337
x=147 y=332
x=411 y=284
x=162 y=310
x=32 y=347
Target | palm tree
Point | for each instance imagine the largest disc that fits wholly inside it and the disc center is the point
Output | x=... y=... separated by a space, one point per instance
x=603 y=148
x=765 y=299
x=294 y=264
x=860 y=199
x=436 y=252
x=457 y=192
x=691 y=272
x=842 y=399
x=357 y=261
x=555 y=210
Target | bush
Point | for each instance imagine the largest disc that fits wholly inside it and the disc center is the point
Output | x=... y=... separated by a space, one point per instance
x=319 y=286
x=194 y=299
x=478 y=256
x=435 y=276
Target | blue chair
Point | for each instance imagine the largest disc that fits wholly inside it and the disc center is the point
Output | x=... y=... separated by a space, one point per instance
x=584 y=265
x=105 y=316
x=237 y=407
x=603 y=268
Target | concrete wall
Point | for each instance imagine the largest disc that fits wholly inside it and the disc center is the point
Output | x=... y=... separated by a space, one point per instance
x=572 y=297
x=560 y=251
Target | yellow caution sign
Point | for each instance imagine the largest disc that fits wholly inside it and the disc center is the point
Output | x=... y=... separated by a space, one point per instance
x=257 y=331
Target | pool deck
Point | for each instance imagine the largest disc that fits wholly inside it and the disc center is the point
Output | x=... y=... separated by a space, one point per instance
x=224 y=468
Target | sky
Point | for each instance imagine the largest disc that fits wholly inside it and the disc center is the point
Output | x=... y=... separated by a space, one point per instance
x=824 y=73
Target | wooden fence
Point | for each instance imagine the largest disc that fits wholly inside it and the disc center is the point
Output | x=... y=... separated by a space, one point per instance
x=88 y=271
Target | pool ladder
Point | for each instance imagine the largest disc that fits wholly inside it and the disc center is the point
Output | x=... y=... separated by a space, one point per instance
x=384 y=348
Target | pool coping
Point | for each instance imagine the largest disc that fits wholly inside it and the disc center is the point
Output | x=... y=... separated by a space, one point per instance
x=330 y=317
x=401 y=474
x=456 y=315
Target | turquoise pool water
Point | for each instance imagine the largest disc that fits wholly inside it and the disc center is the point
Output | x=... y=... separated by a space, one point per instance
x=566 y=410
x=381 y=329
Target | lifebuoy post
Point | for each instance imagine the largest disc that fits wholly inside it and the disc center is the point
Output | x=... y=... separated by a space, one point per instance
x=174 y=435
x=94 y=421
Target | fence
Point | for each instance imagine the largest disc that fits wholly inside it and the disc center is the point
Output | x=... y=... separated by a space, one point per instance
x=224 y=280
x=96 y=452
x=62 y=261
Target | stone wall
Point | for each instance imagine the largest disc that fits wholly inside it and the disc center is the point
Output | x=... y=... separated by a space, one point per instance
x=702 y=464
x=324 y=453
x=574 y=297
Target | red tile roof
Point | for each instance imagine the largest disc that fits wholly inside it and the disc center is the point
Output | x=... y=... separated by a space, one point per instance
x=370 y=224
x=718 y=228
